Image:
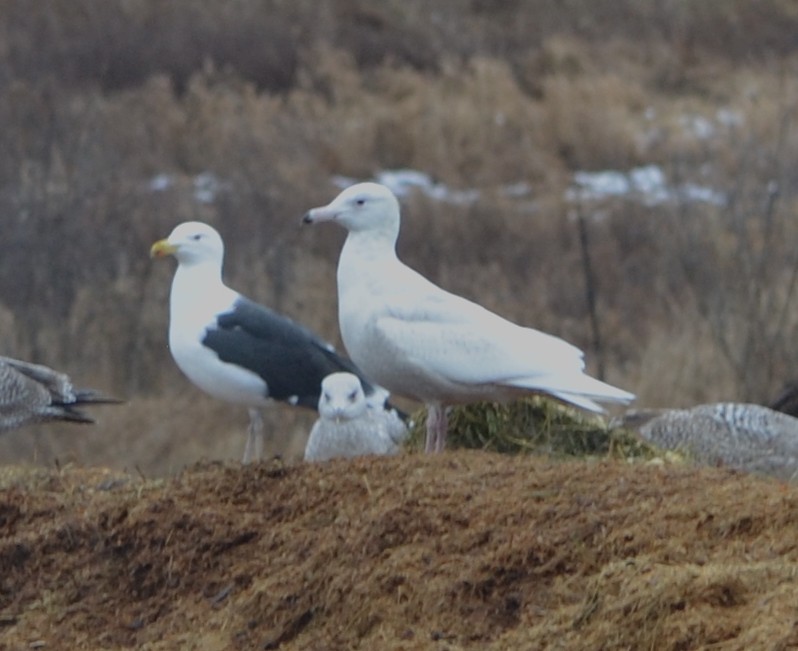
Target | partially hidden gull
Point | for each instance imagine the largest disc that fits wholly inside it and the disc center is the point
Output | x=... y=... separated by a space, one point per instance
x=420 y=341
x=235 y=349
x=31 y=393
x=737 y=435
x=348 y=426
x=787 y=401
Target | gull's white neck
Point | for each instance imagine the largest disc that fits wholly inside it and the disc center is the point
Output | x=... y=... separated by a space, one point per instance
x=198 y=293
x=367 y=258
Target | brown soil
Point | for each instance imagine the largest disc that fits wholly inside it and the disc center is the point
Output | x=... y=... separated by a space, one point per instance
x=466 y=550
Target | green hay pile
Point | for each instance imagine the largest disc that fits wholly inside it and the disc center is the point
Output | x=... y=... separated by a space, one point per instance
x=535 y=425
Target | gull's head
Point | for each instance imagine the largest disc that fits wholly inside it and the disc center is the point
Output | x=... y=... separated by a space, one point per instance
x=191 y=243
x=342 y=397
x=361 y=207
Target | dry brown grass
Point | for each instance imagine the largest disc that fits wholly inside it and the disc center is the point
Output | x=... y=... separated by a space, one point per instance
x=695 y=302
x=465 y=550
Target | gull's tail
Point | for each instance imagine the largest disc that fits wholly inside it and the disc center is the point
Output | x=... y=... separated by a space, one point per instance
x=69 y=408
x=579 y=390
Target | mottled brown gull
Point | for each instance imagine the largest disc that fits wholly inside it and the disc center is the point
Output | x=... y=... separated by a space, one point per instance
x=31 y=393
x=738 y=435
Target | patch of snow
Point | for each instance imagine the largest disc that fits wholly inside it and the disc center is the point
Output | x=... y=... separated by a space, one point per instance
x=700 y=193
x=460 y=197
x=647 y=184
x=699 y=126
x=705 y=128
x=160 y=182
x=729 y=118
x=516 y=190
x=207 y=186
x=597 y=185
x=403 y=181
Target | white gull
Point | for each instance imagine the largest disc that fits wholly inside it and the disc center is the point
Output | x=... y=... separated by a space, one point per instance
x=420 y=341
x=348 y=426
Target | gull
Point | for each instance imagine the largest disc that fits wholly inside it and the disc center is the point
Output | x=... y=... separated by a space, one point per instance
x=31 y=393
x=422 y=342
x=235 y=349
x=738 y=435
x=348 y=426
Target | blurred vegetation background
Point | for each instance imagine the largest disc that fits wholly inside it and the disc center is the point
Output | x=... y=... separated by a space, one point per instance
x=122 y=119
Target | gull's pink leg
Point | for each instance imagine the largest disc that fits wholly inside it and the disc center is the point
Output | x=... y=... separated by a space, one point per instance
x=254 y=449
x=443 y=429
x=432 y=428
x=437 y=422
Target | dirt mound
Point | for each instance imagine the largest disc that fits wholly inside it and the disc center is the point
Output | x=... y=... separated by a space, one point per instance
x=466 y=550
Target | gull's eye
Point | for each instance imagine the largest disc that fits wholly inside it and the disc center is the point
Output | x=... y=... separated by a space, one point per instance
x=196 y=237
x=352 y=396
x=327 y=397
x=360 y=201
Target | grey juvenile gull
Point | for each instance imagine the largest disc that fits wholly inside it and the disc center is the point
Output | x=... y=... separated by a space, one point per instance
x=31 y=393
x=422 y=342
x=738 y=435
x=235 y=349
x=348 y=426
